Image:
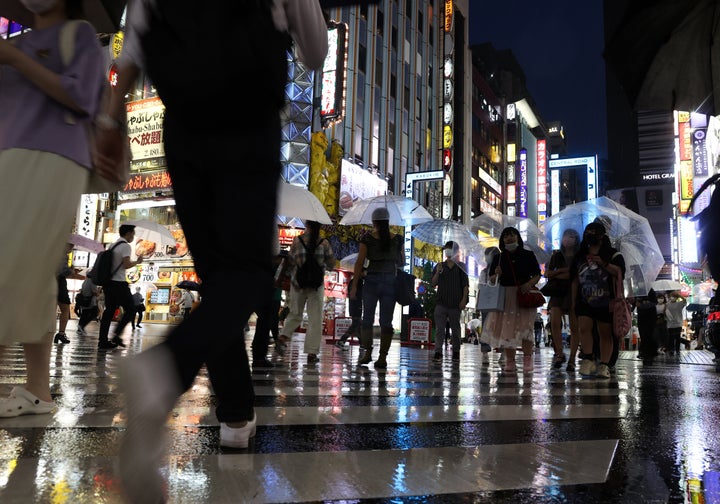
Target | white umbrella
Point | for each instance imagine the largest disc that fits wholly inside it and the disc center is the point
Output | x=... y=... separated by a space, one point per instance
x=347 y=263
x=152 y=231
x=403 y=211
x=441 y=231
x=296 y=201
x=84 y=243
x=666 y=285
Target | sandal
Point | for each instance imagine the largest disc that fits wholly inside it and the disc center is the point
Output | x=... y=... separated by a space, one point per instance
x=22 y=402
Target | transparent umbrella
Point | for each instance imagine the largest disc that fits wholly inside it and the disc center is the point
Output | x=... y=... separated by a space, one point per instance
x=441 y=231
x=297 y=201
x=153 y=232
x=403 y=211
x=489 y=225
x=629 y=232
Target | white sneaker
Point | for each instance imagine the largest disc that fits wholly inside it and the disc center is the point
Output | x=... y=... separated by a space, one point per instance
x=237 y=437
x=151 y=385
x=587 y=367
x=603 y=371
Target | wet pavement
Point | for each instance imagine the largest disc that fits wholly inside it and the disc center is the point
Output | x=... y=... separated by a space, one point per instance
x=420 y=432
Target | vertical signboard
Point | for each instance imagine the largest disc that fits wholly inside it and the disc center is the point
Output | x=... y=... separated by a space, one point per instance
x=522 y=189
x=541 y=180
x=448 y=114
x=332 y=94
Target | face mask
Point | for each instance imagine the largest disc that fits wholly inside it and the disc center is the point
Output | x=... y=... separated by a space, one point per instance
x=448 y=253
x=39 y=6
x=510 y=247
x=592 y=240
x=568 y=242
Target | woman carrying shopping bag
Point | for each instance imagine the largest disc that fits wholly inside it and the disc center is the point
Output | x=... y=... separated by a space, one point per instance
x=518 y=271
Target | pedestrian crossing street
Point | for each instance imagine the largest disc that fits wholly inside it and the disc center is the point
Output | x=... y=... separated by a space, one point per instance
x=441 y=432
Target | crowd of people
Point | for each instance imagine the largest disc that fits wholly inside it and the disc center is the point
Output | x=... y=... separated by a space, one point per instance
x=41 y=148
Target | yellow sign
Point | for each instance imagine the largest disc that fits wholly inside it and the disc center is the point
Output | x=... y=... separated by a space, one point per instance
x=447 y=137
x=116 y=44
x=448 y=15
x=686 y=180
x=683 y=117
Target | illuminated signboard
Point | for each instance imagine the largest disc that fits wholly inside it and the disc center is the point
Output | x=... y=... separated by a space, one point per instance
x=448 y=15
x=700 y=162
x=541 y=180
x=590 y=165
x=332 y=92
x=149 y=181
x=522 y=185
x=145 y=128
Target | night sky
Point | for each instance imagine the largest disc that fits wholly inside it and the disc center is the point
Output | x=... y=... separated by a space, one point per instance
x=559 y=45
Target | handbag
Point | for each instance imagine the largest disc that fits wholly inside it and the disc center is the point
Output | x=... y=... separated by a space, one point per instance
x=556 y=288
x=491 y=297
x=620 y=308
x=530 y=299
x=404 y=288
x=96 y=184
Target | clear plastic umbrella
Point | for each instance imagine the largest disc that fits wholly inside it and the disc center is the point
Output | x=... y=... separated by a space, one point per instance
x=488 y=227
x=403 y=211
x=441 y=231
x=297 y=201
x=629 y=232
x=153 y=232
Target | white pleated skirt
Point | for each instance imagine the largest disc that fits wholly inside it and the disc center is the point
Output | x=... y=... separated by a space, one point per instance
x=509 y=328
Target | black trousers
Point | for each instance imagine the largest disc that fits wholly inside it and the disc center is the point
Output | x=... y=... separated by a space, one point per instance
x=648 y=345
x=267 y=325
x=87 y=315
x=117 y=294
x=139 y=314
x=225 y=188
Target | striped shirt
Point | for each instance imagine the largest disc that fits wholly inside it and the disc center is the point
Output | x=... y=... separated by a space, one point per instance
x=452 y=283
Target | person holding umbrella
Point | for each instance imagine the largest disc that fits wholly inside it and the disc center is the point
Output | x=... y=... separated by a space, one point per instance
x=596 y=270
x=384 y=251
x=515 y=268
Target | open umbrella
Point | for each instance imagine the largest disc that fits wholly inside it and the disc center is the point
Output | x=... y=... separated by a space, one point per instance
x=84 y=243
x=297 y=201
x=489 y=225
x=188 y=285
x=666 y=285
x=152 y=231
x=441 y=231
x=403 y=211
x=347 y=263
x=629 y=232
x=103 y=14
x=666 y=54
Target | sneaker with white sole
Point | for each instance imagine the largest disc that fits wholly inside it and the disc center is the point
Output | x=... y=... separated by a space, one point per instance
x=587 y=367
x=22 y=402
x=151 y=385
x=237 y=437
x=603 y=372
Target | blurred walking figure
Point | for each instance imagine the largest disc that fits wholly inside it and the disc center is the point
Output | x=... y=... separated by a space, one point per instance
x=308 y=291
x=139 y=303
x=44 y=151
x=117 y=291
x=557 y=272
x=384 y=251
x=186 y=303
x=355 y=310
x=646 y=307
x=224 y=162
x=88 y=309
x=675 y=319
x=452 y=296
x=63 y=296
x=513 y=326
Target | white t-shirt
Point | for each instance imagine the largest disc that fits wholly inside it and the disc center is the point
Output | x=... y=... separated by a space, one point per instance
x=121 y=251
x=674 y=314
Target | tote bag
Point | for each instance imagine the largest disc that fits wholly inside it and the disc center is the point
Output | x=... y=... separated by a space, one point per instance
x=491 y=297
x=622 y=318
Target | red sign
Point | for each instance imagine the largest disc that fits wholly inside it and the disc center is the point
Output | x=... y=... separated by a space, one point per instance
x=686 y=147
x=447 y=159
x=148 y=181
x=286 y=235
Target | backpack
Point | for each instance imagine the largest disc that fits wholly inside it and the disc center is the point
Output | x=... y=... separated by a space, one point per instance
x=707 y=224
x=309 y=275
x=102 y=271
x=232 y=59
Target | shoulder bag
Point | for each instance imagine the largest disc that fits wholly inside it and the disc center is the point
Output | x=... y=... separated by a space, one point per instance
x=530 y=299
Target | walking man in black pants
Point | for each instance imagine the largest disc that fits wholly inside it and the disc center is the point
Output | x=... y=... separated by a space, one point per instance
x=117 y=292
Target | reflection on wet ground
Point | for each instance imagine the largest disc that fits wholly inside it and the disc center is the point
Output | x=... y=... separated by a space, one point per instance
x=419 y=432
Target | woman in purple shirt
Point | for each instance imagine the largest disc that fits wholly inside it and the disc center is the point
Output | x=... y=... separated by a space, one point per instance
x=44 y=166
